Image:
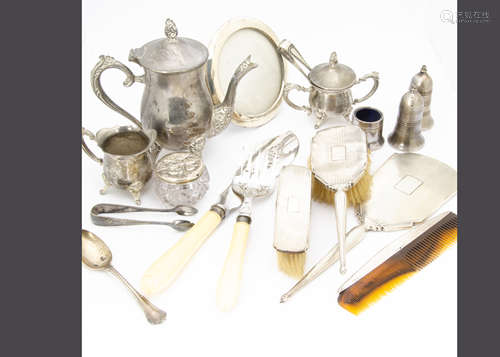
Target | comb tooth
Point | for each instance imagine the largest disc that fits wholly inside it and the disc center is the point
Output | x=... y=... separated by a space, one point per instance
x=400 y=266
x=431 y=243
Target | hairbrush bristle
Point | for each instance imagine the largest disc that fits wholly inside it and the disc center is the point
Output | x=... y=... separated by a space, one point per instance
x=358 y=194
x=292 y=264
x=401 y=265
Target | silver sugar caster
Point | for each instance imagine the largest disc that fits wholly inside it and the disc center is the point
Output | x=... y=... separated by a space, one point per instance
x=407 y=135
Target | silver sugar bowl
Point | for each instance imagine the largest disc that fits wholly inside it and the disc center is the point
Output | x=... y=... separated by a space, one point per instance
x=180 y=178
x=407 y=135
x=423 y=82
x=330 y=94
x=129 y=154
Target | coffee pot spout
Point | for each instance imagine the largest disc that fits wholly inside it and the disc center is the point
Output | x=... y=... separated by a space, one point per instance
x=223 y=113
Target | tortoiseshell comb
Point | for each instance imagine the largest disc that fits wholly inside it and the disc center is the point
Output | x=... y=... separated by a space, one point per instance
x=398 y=261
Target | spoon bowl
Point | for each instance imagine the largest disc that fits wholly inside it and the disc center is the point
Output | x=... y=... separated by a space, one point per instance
x=95 y=253
x=184 y=210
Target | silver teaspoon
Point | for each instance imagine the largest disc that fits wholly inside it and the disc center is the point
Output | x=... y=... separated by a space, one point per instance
x=97 y=256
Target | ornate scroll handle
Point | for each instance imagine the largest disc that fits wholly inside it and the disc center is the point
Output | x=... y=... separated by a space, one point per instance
x=375 y=77
x=292 y=55
x=288 y=88
x=86 y=149
x=106 y=62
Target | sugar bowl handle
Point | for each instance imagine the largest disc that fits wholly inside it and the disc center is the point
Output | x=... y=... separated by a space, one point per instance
x=288 y=88
x=375 y=77
x=106 y=62
x=86 y=149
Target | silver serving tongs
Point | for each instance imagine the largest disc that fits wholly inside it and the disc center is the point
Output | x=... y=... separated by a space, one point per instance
x=178 y=224
x=292 y=55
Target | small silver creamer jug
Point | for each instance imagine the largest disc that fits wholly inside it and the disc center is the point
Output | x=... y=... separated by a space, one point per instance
x=176 y=101
x=129 y=154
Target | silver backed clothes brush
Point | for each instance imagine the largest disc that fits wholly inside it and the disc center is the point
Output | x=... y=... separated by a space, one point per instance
x=292 y=219
x=163 y=272
x=406 y=190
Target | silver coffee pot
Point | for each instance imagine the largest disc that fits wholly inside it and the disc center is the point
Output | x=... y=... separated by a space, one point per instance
x=330 y=91
x=176 y=101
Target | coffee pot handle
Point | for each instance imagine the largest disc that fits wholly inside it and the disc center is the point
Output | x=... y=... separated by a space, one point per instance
x=375 y=77
x=86 y=149
x=106 y=62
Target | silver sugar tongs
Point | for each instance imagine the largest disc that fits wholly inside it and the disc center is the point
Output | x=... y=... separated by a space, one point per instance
x=292 y=55
x=179 y=224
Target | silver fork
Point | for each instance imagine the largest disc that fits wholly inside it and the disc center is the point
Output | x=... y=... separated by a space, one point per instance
x=256 y=179
x=250 y=184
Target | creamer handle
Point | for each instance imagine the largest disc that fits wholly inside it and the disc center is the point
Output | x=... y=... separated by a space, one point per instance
x=86 y=149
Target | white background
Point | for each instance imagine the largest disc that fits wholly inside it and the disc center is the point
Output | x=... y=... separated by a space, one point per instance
x=417 y=319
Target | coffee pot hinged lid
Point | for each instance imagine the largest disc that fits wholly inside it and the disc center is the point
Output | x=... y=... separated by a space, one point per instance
x=332 y=75
x=170 y=54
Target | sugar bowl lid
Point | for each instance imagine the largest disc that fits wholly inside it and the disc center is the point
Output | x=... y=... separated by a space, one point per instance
x=332 y=75
x=179 y=167
x=170 y=54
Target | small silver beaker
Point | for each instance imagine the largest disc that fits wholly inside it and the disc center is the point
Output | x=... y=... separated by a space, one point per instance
x=407 y=135
x=371 y=120
x=129 y=154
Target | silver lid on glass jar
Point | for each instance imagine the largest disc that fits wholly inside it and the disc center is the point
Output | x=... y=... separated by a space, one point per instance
x=179 y=167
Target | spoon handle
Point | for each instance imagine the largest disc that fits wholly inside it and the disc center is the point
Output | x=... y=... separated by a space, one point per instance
x=153 y=314
x=111 y=221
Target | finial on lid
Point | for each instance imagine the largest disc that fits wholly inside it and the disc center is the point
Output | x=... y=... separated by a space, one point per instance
x=423 y=69
x=170 y=29
x=333 y=59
